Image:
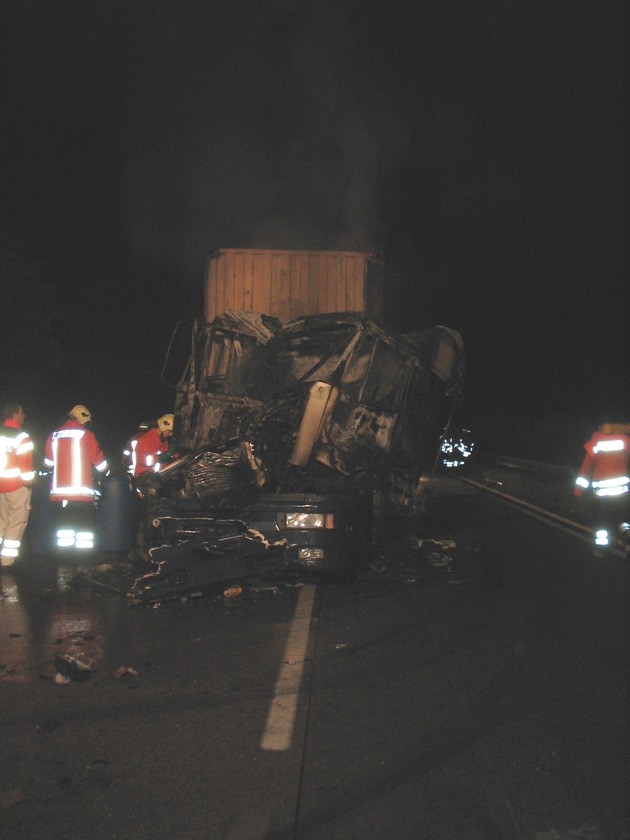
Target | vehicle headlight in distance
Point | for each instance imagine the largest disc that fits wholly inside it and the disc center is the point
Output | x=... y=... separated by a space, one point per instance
x=306 y=520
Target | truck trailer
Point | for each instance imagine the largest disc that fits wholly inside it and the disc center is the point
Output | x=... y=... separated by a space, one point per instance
x=290 y=416
x=289 y=284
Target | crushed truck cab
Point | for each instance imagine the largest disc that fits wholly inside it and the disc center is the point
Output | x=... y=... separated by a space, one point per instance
x=290 y=427
x=335 y=390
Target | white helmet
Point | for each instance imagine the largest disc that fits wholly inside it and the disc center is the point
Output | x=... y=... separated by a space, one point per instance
x=81 y=414
x=165 y=423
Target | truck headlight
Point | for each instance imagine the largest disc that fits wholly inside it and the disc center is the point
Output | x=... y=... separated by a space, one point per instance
x=306 y=520
x=310 y=553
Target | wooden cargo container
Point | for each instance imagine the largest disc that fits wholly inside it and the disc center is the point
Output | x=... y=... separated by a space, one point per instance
x=289 y=284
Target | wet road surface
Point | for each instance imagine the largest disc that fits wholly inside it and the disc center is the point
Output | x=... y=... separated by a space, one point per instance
x=473 y=686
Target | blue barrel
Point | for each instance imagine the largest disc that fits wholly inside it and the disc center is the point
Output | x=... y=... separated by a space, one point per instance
x=115 y=515
x=39 y=537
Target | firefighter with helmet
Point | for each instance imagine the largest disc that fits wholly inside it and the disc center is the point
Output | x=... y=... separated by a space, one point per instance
x=73 y=453
x=153 y=445
x=605 y=476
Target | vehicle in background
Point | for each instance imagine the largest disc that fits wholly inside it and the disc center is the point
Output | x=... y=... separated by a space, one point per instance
x=457 y=449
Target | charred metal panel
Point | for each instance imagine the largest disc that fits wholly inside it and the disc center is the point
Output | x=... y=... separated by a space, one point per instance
x=211 y=407
x=221 y=418
x=359 y=442
x=443 y=351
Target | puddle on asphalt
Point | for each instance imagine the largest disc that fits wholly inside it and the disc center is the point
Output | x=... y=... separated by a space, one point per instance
x=41 y=615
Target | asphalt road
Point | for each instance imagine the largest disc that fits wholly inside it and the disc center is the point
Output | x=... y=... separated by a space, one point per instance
x=470 y=687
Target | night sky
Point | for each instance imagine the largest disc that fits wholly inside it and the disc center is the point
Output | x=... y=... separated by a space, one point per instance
x=478 y=145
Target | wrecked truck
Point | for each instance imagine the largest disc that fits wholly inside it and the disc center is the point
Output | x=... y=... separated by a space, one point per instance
x=284 y=432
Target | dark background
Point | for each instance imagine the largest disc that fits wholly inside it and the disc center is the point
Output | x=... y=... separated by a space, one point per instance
x=478 y=146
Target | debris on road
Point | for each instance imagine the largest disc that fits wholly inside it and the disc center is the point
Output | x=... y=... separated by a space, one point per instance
x=124 y=671
x=71 y=668
x=74 y=639
x=445 y=544
x=108 y=577
x=437 y=559
x=412 y=559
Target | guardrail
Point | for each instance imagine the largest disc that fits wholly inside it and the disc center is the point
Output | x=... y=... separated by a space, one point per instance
x=549 y=487
x=532 y=466
x=546 y=489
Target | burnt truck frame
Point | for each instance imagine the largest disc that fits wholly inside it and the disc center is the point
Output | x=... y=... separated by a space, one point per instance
x=290 y=429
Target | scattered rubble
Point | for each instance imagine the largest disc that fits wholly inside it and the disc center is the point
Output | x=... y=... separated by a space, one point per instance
x=71 y=668
x=113 y=577
x=123 y=671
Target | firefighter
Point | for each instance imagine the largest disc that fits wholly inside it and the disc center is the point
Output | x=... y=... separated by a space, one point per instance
x=16 y=478
x=153 y=445
x=73 y=452
x=604 y=474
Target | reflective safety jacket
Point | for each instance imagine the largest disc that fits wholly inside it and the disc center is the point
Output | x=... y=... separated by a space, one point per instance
x=150 y=446
x=16 y=457
x=72 y=451
x=129 y=454
x=606 y=465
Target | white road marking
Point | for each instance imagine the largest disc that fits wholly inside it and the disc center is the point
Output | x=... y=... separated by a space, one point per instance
x=281 y=718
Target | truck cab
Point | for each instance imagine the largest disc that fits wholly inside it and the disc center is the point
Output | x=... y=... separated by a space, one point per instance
x=289 y=429
x=335 y=390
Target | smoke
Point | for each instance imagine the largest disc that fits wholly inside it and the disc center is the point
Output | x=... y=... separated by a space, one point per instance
x=265 y=133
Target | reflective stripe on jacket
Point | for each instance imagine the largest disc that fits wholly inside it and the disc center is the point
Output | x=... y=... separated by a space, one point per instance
x=129 y=455
x=16 y=457
x=605 y=465
x=72 y=451
x=150 y=446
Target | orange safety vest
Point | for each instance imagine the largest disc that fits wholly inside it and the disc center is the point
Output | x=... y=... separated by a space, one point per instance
x=16 y=457
x=605 y=465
